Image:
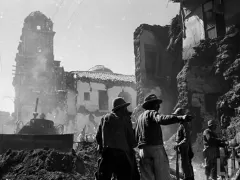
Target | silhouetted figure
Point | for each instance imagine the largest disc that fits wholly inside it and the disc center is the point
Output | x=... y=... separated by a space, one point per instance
x=184 y=147
x=154 y=163
x=116 y=141
x=211 y=149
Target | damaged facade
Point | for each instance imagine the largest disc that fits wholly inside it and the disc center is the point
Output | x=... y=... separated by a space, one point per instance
x=206 y=19
x=37 y=74
x=156 y=68
x=208 y=84
x=208 y=46
x=90 y=95
x=75 y=99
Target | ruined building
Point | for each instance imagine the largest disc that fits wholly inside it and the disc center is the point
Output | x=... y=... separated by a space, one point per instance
x=208 y=84
x=209 y=53
x=90 y=95
x=156 y=67
x=37 y=74
x=208 y=44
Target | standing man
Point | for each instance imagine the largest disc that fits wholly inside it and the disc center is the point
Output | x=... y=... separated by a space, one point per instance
x=154 y=164
x=184 y=147
x=211 y=150
x=115 y=138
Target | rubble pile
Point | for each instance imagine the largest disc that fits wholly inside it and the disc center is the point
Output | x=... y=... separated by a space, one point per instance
x=49 y=164
x=88 y=152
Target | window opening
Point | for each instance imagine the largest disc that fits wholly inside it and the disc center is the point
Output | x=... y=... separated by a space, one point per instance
x=214 y=20
x=86 y=96
x=150 y=59
x=103 y=100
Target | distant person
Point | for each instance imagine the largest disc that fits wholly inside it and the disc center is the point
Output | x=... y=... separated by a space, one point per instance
x=235 y=143
x=184 y=146
x=211 y=151
x=42 y=116
x=154 y=163
x=115 y=138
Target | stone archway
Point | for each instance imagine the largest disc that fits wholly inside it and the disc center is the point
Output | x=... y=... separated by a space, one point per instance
x=127 y=97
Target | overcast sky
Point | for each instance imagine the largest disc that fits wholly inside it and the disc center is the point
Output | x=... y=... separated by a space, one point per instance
x=88 y=33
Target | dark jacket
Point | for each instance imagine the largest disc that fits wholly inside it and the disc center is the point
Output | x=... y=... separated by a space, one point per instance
x=210 y=139
x=115 y=132
x=211 y=144
x=183 y=135
x=148 y=129
x=183 y=139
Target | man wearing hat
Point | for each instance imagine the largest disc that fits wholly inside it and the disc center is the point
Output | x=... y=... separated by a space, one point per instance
x=211 y=150
x=184 y=147
x=115 y=138
x=154 y=164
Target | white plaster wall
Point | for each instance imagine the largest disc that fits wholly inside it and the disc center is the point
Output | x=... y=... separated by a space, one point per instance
x=113 y=92
x=92 y=105
x=82 y=87
x=194 y=32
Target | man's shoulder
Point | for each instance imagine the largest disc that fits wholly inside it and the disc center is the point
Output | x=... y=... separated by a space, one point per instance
x=149 y=112
x=109 y=116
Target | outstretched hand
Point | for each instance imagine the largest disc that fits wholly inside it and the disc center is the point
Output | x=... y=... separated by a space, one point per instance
x=187 y=118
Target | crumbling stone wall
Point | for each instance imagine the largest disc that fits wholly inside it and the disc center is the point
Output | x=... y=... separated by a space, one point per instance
x=195 y=81
x=164 y=83
x=209 y=84
x=228 y=65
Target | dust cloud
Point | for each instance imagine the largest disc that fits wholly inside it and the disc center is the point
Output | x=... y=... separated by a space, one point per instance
x=7 y=123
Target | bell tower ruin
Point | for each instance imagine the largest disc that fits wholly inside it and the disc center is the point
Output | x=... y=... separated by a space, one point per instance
x=36 y=73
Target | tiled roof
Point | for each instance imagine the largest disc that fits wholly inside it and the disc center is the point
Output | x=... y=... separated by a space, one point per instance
x=100 y=68
x=104 y=77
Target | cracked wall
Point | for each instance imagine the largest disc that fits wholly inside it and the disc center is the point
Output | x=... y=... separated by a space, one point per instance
x=150 y=46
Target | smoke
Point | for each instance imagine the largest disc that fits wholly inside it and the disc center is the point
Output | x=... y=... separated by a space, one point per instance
x=73 y=122
x=40 y=65
x=7 y=123
x=58 y=115
x=40 y=82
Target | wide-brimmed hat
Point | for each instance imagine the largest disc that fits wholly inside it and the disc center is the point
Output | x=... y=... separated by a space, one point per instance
x=178 y=112
x=152 y=98
x=119 y=103
x=211 y=123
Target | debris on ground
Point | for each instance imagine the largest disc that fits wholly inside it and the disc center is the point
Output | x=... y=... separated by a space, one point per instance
x=49 y=164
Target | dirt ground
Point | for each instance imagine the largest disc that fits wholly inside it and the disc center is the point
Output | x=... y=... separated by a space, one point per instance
x=49 y=164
